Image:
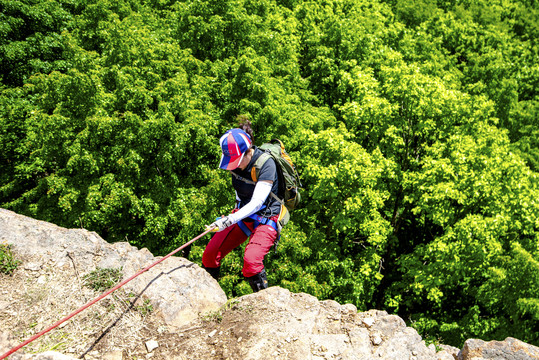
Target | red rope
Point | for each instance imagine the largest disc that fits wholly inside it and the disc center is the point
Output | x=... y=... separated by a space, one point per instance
x=43 y=332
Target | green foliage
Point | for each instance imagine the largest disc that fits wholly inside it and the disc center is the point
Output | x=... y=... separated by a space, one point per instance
x=477 y=205
x=346 y=194
x=217 y=315
x=102 y=279
x=146 y=308
x=8 y=263
x=31 y=38
x=515 y=277
x=413 y=125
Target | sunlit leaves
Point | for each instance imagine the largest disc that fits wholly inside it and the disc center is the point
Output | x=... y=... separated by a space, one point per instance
x=346 y=193
x=412 y=124
x=515 y=280
x=31 y=39
x=474 y=188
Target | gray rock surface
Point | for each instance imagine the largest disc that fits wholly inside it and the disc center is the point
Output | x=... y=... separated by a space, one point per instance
x=278 y=324
x=509 y=349
x=193 y=319
x=178 y=288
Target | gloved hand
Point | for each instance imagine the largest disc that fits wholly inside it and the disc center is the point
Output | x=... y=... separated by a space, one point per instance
x=221 y=223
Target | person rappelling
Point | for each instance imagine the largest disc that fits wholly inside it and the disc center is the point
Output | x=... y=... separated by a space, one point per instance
x=262 y=203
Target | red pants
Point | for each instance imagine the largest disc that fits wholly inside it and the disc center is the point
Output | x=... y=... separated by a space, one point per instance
x=262 y=239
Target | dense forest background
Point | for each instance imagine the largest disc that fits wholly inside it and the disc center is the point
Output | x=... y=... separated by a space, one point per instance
x=414 y=126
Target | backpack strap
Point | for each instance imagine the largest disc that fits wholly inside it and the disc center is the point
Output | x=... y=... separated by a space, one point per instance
x=254 y=176
x=258 y=165
x=254 y=170
x=247 y=181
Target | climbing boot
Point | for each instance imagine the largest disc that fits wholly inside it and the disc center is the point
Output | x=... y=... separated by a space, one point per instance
x=259 y=281
x=214 y=272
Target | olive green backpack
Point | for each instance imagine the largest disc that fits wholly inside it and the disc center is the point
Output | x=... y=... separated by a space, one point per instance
x=289 y=183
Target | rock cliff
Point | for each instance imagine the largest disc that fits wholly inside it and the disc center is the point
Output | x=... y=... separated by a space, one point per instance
x=177 y=311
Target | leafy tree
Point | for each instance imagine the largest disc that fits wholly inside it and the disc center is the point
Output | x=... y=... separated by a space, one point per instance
x=472 y=187
x=413 y=125
x=515 y=278
x=31 y=38
x=346 y=194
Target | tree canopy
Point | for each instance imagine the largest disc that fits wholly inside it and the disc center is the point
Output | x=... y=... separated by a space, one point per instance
x=413 y=125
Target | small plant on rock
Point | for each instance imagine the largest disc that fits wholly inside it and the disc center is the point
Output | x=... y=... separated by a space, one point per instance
x=146 y=308
x=102 y=279
x=8 y=263
x=217 y=315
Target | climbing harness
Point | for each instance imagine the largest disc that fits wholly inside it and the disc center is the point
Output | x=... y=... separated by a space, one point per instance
x=43 y=332
x=258 y=220
x=261 y=220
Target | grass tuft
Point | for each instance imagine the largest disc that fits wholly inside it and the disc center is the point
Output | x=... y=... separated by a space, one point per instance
x=102 y=279
x=8 y=263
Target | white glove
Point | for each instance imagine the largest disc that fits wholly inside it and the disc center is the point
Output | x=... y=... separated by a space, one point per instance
x=221 y=223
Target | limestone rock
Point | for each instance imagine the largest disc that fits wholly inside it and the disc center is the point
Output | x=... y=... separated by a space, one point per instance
x=151 y=345
x=178 y=288
x=275 y=323
x=449 y=350
x=113 y=355
x=271 y=324
x=510 y=348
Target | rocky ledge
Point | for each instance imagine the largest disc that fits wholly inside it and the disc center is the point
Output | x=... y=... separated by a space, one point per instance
x=190 y=317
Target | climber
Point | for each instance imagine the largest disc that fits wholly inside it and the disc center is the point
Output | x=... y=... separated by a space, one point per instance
x=256 y=214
